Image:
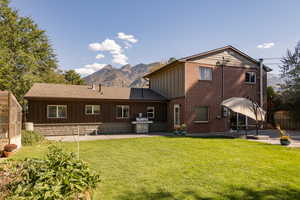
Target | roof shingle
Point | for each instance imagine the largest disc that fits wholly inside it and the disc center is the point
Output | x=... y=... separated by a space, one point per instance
x=46 y=90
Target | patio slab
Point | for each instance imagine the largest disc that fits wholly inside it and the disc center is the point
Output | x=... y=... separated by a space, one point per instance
x=274 y=137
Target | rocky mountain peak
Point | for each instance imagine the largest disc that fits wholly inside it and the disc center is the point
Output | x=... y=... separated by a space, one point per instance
x=108 y=67
x=126 y=76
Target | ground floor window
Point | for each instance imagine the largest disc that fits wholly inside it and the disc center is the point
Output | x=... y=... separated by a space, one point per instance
x=122 y=111
x=92 y=109
x=201 y=114
x=150 y=112
x=57 y=111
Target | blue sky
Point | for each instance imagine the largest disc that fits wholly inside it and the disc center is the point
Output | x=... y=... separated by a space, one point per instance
x=154 y=30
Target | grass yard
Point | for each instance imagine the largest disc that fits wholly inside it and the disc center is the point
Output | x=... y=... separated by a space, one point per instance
x=188 y=168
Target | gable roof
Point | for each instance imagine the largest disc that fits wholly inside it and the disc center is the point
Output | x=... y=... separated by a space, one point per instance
x=188 y=58
x=46 y=90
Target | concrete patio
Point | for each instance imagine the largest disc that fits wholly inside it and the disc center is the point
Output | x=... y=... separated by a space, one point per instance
x=76 y=138
x=274 y=137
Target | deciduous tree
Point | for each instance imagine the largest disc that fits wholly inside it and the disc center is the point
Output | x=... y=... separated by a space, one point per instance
x=72 y=77
x=291 y=72
x=26 y=56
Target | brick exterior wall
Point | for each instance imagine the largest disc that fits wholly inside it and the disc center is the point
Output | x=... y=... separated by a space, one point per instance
x=209 y=93
x=60 y=129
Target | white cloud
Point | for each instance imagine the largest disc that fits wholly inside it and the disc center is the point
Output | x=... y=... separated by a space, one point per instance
x=89 y=69
x=129 y=38
x=111 y=46
x=266 y=45
x=107 y=45
x=120 y=59
x=99 y=56
x=127 y=45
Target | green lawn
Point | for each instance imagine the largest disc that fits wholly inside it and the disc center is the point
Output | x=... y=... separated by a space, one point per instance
x=188 y=168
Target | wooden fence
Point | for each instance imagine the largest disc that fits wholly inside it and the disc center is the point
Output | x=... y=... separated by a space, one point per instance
x=10 y=119
x=285 y=121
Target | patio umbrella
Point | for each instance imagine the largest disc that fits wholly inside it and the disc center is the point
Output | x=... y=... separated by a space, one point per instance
x=246 y=107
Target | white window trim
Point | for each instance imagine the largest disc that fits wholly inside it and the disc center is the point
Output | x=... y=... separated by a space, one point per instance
x=250 y=78
x=57 y=112
x=93 y=110
x=153 y=113
x=202 y=67
x=174 y=115
x=122 y=106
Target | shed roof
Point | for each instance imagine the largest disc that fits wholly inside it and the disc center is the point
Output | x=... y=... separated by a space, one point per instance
x=46 y=90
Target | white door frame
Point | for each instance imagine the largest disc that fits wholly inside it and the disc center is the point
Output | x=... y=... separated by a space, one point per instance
x=174 y=114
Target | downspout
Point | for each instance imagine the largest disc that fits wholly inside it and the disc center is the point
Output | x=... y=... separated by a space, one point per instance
x=261 y=85
x=261 y=82
x=222 y=97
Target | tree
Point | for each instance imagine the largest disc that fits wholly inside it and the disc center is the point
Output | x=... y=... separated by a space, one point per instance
x=26 y=55
x=72 y=77
x=274 y=104
x=172 y=59
x=291 y=72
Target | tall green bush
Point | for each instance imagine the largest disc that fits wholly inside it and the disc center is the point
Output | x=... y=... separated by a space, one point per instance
x=31 y=138
x=59 y=176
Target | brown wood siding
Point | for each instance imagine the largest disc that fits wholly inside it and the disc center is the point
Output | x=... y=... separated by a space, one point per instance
x=234 y=59
x=169 y=82
x=37 y=111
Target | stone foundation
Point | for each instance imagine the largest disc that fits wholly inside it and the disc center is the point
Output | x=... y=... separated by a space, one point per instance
x=58 y=129
x=158 y=127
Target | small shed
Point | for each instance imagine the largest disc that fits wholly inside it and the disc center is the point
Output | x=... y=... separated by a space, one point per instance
x=10 y=119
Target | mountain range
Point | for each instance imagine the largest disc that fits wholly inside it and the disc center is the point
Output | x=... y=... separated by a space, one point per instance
x=131 y=76
x=126 y=76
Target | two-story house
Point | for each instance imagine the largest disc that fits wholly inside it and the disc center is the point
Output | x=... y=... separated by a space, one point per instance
x=188 y=90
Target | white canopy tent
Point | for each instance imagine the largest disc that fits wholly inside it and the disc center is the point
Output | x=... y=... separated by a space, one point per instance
x=246 y=107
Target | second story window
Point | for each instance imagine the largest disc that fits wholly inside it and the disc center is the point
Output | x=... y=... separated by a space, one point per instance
x=250 y=77
x=92 y=109
x=57 y=111
x=122 y=111
x=205 y=73
x=150 y=112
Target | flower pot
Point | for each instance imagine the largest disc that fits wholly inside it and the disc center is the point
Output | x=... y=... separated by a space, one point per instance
x=183 y=132
x=7 y=153
x=284 y=142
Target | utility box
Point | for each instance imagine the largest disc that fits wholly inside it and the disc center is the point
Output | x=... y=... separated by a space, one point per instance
x=10 y=120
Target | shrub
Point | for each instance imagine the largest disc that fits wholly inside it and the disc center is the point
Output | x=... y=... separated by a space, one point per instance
x=10 y=147
x=31 y=138
x=59 y=176
x=183 y=127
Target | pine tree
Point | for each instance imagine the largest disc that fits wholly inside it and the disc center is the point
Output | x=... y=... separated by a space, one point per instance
x=72 y=77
